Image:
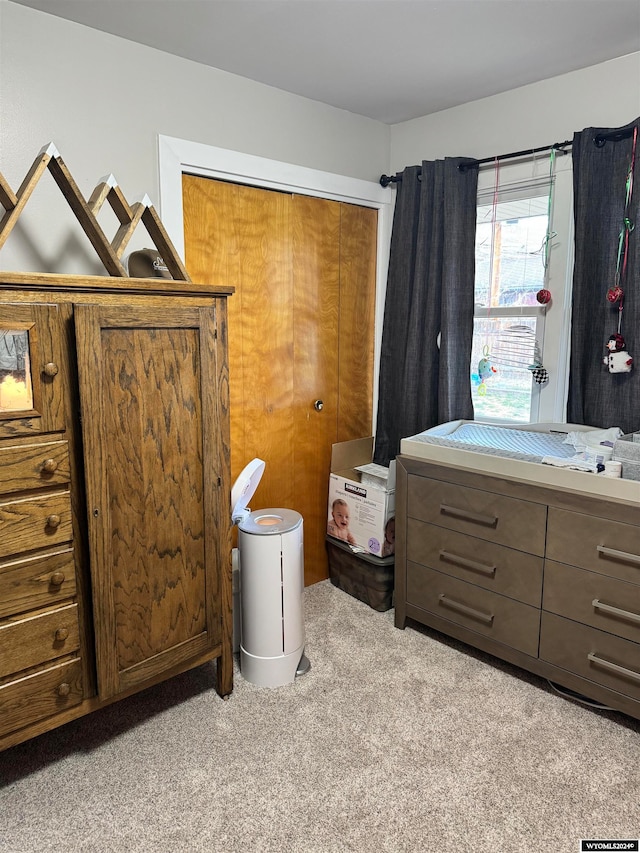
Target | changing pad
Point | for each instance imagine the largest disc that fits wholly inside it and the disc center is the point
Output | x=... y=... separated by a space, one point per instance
x=513 y=451
x=526 y=445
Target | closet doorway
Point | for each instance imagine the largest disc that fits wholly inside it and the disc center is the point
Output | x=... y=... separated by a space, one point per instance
x=301 y=333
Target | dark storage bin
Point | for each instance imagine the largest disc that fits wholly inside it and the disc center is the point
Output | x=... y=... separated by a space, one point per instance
x=365 y=577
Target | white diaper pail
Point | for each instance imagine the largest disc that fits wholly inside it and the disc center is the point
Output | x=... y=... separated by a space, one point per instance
x=271 y=580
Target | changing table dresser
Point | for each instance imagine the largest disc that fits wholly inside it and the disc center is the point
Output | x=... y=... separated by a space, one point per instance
x=537 y=565
x=115 y=549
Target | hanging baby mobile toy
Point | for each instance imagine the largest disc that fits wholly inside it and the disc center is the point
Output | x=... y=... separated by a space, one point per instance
x=538 y=370
x=617 y=359
x=485 y=368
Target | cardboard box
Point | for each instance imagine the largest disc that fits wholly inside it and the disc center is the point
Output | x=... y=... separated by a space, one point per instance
x=361 y=509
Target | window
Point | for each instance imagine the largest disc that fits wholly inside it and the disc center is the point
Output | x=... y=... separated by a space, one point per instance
x=510 y=325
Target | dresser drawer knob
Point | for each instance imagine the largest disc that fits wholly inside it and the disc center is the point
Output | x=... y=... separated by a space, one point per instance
x=49 y=466
x=57 y=579
x=50 y=369
x=63 y=689
x=61 y=635
x=53 y=521
x=615 y=611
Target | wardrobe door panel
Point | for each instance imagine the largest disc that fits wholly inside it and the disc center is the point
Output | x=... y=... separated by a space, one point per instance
x=148 y=388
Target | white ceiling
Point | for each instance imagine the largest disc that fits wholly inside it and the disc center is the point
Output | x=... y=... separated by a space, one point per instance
x=390 y=60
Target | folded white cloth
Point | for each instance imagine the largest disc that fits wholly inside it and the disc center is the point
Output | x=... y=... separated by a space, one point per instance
x=573 y=463
x=593 y=437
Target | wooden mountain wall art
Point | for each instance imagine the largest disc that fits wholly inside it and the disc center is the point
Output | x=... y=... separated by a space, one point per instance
x=86 y=212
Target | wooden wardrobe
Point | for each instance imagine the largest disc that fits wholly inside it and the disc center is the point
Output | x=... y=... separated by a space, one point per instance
x=115 y=548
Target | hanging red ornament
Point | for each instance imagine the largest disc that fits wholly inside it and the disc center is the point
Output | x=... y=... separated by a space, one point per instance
x=543 y=296
x=618 y=359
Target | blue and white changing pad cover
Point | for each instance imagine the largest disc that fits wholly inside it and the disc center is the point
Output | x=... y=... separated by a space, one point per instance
x=531 y=443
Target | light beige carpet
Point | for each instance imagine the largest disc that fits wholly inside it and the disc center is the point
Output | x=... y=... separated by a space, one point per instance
x=394 y=741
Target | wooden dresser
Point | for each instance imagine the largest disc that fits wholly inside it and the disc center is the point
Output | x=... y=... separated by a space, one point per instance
x=115 y=550
x=541 y=576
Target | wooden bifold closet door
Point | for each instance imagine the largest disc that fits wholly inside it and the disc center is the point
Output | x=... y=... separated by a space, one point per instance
x=301 y=334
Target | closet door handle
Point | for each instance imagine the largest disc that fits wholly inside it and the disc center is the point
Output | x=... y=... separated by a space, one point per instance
x=614 y=667
x=467 y=515
x=466 y=563
x=624 y=556
x=616 y=611
x=486 y=618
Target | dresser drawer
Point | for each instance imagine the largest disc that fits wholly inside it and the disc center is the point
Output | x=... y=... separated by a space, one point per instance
x=503 y=619
x=37 y=639
x=34 y=582
x=609 y=547
x=605 y=603
x=592 y=654
x=33 y=523
x=507 y=521
x=503 y=570
x=40 y=695
x=31 y=466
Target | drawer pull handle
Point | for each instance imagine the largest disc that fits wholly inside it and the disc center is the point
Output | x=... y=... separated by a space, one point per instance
x=63 y=689
x=486 y=618
x=616 y=611
x=61 y=635
x=619 y=555
x=466 y=563
x=49 y=466
x=50 y=369
x=467 y=515
x=614 y=667
x=57 y=579
x=53 y=521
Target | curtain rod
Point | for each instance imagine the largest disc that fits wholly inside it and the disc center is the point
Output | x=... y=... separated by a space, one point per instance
x=599 y=141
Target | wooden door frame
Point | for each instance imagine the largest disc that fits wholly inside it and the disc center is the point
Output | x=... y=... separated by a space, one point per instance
x=180 y=156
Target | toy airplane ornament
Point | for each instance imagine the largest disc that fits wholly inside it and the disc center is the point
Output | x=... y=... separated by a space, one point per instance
x=485 y=371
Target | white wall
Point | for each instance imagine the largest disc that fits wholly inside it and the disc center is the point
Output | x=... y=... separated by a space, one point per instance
x=605 y=95
x=103 y=101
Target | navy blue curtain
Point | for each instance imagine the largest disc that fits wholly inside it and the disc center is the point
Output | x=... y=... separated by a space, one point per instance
x=596 y=396
x=430 y=294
